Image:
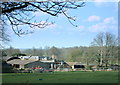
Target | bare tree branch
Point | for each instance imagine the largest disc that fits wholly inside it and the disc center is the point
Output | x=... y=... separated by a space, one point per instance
x=19 y=14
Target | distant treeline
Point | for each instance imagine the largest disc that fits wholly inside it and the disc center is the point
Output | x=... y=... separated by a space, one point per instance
x=103 y=50
x=90 y=54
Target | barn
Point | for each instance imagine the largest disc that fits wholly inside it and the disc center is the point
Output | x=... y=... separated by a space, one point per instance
x=36 y=62
x=24 y=64
x=76 y=65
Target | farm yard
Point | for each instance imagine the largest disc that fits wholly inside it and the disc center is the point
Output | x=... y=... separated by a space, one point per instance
x=62 y=77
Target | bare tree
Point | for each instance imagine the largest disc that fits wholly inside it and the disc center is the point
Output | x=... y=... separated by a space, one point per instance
x=19 y=13
x=4 y=37
x=55 y=52
x=105 y=42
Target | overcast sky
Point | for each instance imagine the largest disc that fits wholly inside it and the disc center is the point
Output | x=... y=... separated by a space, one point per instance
x=93 y=18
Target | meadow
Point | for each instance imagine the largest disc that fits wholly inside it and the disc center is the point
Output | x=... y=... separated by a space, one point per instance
x=61 y=77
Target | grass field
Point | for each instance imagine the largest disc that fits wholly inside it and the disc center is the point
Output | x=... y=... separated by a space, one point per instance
x=61 y=77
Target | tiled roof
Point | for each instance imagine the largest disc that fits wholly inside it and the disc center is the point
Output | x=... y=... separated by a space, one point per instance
x=18 y=61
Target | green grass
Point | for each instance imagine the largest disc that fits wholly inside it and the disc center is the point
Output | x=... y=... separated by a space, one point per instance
x=61 y=77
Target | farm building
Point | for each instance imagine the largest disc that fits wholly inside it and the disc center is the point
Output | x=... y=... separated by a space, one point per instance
x=22 y=64
x=36 y=61
x=79 y=65
x=76 y=65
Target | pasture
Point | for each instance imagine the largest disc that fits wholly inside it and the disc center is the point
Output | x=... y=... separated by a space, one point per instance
x=61 y=77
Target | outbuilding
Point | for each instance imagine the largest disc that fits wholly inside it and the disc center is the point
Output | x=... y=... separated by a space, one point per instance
x=23 y=64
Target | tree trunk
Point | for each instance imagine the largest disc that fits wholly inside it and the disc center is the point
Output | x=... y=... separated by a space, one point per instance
x=101 y=58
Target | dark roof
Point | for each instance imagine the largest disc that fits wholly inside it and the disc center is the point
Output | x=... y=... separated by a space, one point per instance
x=12 y=58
